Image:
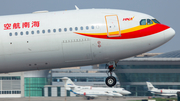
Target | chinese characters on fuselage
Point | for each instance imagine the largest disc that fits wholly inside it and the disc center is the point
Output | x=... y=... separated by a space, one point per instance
x=18 y=25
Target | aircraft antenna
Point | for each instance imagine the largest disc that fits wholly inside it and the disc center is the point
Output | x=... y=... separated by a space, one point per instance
x=76 y=7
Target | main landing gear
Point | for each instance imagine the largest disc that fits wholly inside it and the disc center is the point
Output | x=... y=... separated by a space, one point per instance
x=111 y=80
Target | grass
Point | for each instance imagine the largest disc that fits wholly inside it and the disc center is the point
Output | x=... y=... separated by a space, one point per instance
x=164 y=99
x=160 y=99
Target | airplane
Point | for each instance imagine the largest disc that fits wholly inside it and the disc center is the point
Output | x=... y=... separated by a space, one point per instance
x=92 y=92
x=60 y=39
x=163 y=92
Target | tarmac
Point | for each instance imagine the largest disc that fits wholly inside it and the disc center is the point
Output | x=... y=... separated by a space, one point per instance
x=72 y=99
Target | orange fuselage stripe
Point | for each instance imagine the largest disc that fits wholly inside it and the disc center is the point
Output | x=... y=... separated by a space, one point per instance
x=135 y=32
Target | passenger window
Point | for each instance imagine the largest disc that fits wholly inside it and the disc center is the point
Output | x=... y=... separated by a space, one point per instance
x=155 y=21
x=92 y=27
x=16 y=33
x=87 y=27
x=76 y=28
x=65 y=29
x=49 y=30
x=32 y=32
x=59 y=29
x=149 y=22
x=43 y=31
x=143 y=22
x=27 y=32
x=70 y=29
x=21 y=33
x=38 y=31
x=54 y=30
x=10 y=34
x=81 y=28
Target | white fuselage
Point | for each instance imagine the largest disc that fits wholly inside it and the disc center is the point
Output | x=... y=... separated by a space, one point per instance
x=95 y=93
x=121 y=91
x=166 y=92
x=57 y=40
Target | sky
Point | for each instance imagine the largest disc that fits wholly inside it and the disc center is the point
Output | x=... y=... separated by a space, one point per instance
x=166 y=11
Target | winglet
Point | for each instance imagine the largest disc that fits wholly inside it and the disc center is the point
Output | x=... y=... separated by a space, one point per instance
x=76 y=7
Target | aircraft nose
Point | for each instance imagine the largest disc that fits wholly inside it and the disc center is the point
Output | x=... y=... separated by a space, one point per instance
x=127 y=92
x=169 y=34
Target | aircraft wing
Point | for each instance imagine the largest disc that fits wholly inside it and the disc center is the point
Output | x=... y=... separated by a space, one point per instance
x=113 y=93
x=91 y=96
x=168 y=94
x=70 y=88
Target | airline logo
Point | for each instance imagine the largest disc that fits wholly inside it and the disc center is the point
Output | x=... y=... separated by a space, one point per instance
x=128 y=19
x=19 y=25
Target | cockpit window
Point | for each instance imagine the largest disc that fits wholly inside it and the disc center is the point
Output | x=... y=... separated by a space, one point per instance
x=114 y=91
x=149 y=22
x=155 y=21
x=143 y=22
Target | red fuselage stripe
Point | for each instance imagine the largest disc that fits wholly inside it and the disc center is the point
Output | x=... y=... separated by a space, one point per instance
x=135 y=34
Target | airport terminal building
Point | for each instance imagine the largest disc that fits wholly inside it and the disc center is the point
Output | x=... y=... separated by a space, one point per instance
x=47 y=83
x=163 y=71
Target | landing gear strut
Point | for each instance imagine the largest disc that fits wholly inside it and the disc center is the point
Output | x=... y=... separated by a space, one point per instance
x=111 y=80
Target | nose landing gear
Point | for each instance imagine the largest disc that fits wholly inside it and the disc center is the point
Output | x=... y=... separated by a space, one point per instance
x=111 y=80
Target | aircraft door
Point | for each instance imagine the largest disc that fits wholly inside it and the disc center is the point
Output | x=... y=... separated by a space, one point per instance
x=112 y=26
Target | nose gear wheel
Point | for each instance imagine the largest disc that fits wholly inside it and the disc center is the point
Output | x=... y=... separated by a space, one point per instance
x=110 y=81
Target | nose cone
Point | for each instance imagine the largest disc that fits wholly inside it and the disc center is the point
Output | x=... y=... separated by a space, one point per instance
x=126 y=92
x=169 y=34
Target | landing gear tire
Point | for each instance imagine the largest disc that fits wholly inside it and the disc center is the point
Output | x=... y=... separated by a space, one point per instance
x=110 y=81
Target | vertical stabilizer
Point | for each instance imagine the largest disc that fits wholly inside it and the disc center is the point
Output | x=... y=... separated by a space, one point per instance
x=150 y=86
x=68 y=84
